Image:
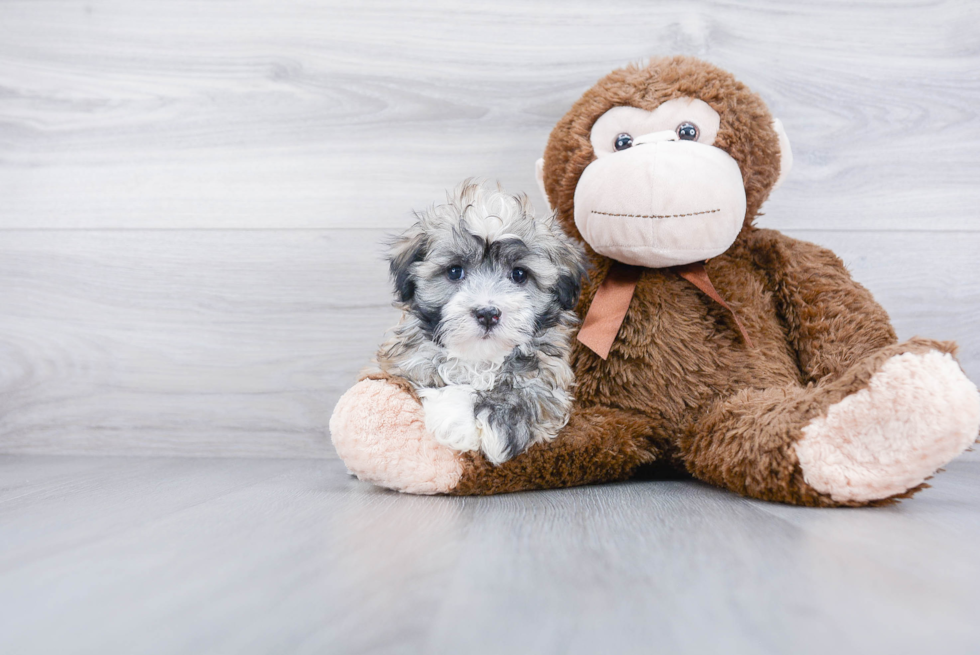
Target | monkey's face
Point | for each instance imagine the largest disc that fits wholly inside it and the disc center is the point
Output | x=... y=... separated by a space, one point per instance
x=659 y=192
x=664 y=164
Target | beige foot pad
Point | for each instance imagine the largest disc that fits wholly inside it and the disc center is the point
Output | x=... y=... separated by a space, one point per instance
x=917 y=413
x=379 y=432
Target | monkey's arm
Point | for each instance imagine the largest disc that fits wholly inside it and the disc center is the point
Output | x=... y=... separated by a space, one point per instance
x=378 y=429
x=832 y=321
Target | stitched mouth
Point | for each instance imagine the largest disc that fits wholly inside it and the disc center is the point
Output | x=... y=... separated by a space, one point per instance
x=708 y=211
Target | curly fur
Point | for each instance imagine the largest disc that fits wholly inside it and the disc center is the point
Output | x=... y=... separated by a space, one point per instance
x=496 y=389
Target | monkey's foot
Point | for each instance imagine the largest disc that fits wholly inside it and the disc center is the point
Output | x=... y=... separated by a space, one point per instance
x=917 y=413
x=379 y=431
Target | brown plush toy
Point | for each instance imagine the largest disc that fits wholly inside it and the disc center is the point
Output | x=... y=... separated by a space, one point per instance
x=767 y=370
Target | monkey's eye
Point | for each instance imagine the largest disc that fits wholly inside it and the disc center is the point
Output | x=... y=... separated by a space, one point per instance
x=623 y=141
x=687 y=132
x=518 y=275
x=455 y=273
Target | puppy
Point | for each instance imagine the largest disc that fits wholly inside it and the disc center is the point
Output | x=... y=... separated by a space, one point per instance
x=487 y=293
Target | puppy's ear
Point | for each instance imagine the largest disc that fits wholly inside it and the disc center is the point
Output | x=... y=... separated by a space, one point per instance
x=569 y=256
x=406 y=250
x=569 y=287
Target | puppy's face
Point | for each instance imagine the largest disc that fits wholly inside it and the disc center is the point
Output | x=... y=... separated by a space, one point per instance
x=483 y=276
x=489 y=293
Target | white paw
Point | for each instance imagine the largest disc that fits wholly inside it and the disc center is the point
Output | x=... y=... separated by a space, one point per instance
x=449 y=416
x=918 y=412
x=493 y=445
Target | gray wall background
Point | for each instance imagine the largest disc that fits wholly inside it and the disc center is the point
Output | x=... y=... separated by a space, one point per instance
x=192 y=194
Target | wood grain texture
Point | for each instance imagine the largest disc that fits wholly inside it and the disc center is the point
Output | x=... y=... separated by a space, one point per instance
x=193 y=192
x=184 y=342
x=285 y=114
x=156 y=555
x=238 y=343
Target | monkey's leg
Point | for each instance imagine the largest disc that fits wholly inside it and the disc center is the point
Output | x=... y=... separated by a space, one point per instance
x=599 y=444
x=875 y=433
x=378 y=429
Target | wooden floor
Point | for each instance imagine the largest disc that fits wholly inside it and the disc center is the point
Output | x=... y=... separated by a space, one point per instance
x=164 y=555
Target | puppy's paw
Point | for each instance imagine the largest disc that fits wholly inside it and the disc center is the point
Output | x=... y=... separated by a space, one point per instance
x=501 y=440
x=449 y=416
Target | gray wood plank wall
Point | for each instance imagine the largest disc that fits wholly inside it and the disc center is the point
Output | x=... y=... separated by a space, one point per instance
x=192 y=194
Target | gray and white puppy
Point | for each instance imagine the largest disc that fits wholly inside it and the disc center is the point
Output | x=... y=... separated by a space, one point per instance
x=487 y=292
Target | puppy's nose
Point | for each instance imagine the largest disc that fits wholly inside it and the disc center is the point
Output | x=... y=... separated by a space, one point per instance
x=487 y=316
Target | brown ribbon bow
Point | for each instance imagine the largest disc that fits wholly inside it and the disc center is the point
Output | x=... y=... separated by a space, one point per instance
x=612 y=300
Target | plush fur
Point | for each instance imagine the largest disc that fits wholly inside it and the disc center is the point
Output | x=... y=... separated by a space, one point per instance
x=487 y=292
x=799 y=416
x=890 y=435
x=362 y=436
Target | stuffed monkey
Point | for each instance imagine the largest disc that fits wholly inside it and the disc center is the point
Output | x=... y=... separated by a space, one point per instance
x=746 y=358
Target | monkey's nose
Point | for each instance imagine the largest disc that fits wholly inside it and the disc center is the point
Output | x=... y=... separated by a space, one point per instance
x=487 y=316
x=654 y=137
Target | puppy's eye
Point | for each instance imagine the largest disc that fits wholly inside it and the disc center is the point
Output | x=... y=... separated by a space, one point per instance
x=455 y=273
x=518 y=275
x=623 y=141
x=687 y=132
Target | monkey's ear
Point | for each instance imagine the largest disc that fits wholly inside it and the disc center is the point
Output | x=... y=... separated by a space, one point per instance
x=539 y=176
x=407 y=250
x=785 y=153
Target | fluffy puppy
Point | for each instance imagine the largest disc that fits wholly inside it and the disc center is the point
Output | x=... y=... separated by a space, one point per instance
x=487 y=292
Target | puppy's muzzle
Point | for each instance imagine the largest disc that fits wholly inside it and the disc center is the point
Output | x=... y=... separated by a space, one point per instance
x=488 y=317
